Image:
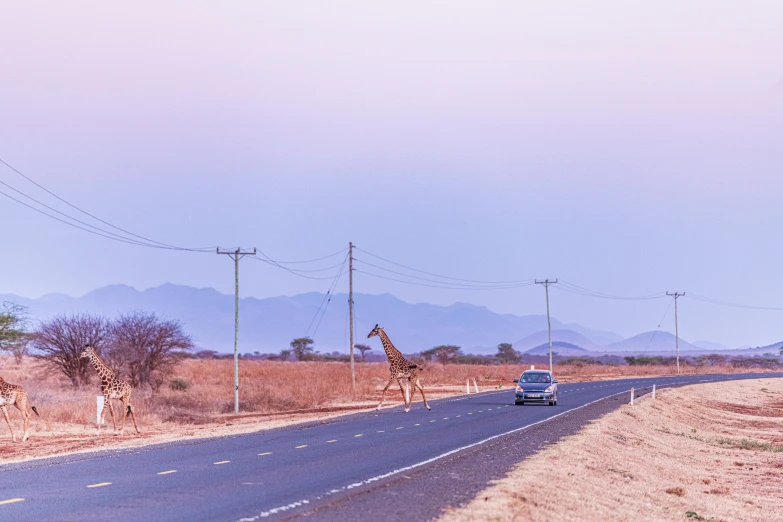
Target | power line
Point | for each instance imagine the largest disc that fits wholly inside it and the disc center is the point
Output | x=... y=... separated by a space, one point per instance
x=438 y=275
x=576 y=289
x=327 y=299
x=546 y=283
x=413 y=283
x=676 y=295
x=721 y=302
x=658 y=328
x=144 y=239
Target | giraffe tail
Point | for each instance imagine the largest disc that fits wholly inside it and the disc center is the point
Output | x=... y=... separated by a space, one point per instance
x=35 y=410
x=413 y=366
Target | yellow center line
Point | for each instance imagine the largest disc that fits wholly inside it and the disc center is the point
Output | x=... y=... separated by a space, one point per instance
x=358 y=434
x=169 y=472
x=266 y=453
x=11 y=501
x=302 y=446
x=222 y=462
x=99 y=485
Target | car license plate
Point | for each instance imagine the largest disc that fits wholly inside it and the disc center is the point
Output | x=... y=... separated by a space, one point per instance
x=534 y=395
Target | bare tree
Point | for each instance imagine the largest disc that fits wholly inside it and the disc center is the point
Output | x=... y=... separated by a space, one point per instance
x=363 y=348
x=146 y=347
x=59 y=343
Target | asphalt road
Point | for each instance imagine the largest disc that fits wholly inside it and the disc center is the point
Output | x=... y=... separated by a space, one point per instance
x=334 y=471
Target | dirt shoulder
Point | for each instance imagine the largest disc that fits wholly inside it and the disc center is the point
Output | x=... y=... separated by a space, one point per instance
x=694 y=453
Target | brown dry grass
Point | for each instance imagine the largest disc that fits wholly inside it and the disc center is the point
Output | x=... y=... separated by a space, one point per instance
x=695 y=453
x=272 y=394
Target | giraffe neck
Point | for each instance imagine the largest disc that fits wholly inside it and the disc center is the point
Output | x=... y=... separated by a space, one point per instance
x=391 y=352
x=106 y=374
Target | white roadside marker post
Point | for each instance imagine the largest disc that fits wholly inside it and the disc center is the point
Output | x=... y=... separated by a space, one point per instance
x=653 y=396
x=631 y=396
x=475 y=385
x=99 y=402
x=467 y=386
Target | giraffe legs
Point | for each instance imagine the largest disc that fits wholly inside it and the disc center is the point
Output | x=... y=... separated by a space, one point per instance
x=127 y=409
x=5 y=414
x=22 y=407
x=383 y=394
x=421 y=389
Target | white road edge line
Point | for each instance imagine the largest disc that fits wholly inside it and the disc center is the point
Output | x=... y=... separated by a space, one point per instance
x=293 y=505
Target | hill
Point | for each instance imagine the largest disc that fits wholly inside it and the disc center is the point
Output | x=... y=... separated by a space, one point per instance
x=269 y=324
x=558 y=336
x=651 y=342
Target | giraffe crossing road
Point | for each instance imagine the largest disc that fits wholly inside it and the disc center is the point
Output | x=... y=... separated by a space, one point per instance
x=289 y=472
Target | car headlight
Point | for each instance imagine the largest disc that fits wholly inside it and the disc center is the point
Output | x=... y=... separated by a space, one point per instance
x=519 y=389
x=548 y=389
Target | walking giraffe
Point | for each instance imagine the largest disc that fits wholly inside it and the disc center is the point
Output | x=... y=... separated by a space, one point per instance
x=112 y=388
x=400 y=368
x=11 y=394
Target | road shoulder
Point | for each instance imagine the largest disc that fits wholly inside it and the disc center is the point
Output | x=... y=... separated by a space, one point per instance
x=696 y=452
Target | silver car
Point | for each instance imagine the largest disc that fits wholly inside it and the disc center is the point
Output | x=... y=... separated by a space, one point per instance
x=536 y=386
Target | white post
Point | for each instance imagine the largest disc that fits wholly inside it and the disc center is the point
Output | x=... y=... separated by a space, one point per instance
x=100 y=409
x=467 y=386
x=475 y=385
x=532 y=367
x=631 y=396
x=407 y=393
x=653 y=396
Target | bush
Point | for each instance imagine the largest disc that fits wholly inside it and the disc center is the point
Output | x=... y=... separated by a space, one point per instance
x=179 y=385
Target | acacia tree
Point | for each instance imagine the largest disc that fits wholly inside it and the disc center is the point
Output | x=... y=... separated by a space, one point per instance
x=285 y=354
x=507 y=354
x=59 y=343
x=146 y=347
x=303 y=348
x=13 y=329
x=443 y=353
x=363 y=348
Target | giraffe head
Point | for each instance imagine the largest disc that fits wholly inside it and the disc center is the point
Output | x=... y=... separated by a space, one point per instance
x=88 y=351
x=375 y=331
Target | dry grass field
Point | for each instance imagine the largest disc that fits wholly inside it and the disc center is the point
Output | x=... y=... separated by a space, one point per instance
x=703 y=452
x=198 y=398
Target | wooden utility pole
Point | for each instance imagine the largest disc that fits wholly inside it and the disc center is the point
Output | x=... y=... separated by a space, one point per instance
x=236 y=255
x=546 y=283
x=350 y=311
x=675 y=295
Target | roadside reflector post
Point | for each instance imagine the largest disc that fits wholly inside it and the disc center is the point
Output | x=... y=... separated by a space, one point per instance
x=532 y=366
x=475 y=385
x=653 y=392
x=99 y=402
x=631 y=396
x=467 y=386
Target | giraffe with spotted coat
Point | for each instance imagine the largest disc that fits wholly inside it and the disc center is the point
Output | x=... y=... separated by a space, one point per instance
x=400 y=368
x=13 y=395
x=112 y=388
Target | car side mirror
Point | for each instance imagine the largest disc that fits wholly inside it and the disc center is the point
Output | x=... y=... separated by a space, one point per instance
x=516 y=380
x=555 y=381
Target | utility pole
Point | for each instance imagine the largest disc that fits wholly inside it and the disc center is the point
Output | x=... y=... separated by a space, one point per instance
x=546 y=283
x=350 y=312
x=675 y=295
x=236 y=255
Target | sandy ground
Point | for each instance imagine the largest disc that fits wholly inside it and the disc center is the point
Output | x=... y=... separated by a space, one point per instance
x=694 y=453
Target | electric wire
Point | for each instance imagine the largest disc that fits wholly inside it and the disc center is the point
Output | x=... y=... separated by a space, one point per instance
x=414 y=283
x=721 y=302
x=139 y=237
x=658 y=328
x=576 y=289
x=326 y=300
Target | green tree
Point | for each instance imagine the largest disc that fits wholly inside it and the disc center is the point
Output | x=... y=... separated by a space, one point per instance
x=285 y=354
x=303 y=348
x=13 y=326
x=507 y=354
x=363 y=348
x=443 y=354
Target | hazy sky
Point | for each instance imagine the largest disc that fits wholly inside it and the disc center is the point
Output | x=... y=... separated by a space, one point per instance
x=629 y=148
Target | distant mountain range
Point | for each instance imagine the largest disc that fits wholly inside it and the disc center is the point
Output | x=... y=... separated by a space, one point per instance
x=269 y=324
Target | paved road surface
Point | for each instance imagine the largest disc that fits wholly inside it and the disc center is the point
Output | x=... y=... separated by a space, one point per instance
x=334 y=471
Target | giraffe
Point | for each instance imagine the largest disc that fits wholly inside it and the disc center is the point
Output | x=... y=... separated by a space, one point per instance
x=112 y=388
x=11 y=394
x=400 y=368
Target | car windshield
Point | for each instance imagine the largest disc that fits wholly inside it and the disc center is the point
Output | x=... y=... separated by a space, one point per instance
x=540 y=377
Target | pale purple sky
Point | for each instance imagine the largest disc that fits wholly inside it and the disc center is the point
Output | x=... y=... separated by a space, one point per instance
x=627 y=148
